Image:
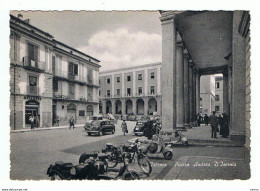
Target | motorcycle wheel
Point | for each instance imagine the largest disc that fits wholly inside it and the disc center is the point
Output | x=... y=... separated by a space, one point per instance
x=131 y=175
x=186 y=143
x=144 y=164
x=168 y=155
x=111 y=162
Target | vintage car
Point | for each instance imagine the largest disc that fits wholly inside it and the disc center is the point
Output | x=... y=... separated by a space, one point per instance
x=124 y=117
x=131 y=117
x=93 y=118
x=100 y=127
x=143 y=126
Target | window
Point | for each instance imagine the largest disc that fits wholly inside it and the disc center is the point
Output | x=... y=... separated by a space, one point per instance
x=55 y=85
x=128 y=78
x=217 y=85
x=117 y=79
x=33 y=85
x=128 y=91
x=108 y=80
x=152 y=75
x=140 y=90
x=140 y=76
x=32 y=55
x=216 y=108
x=99 y=92
x=81 y=112
x=217 y=98
x=152 y=90
x=118 y=92
x=73 y=68
x=108 y=93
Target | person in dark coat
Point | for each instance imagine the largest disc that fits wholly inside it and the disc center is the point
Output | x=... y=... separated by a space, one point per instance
x=32 y=121
x=71 y=122
x=220 y=123
x=198 y=119
x=214 y=124
x=225 y=133
x=206 y=119
x=124 y=127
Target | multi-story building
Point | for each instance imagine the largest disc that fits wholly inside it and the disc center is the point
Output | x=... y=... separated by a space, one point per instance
x=207 y=94
x=219 y=94
x=48 y=78
x=134 y=90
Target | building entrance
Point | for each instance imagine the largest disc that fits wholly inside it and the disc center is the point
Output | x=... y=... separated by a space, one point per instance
x=71 y=112
x=31 y=108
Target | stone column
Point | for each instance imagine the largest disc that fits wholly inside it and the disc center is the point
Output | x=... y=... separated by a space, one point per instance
x=123 y=107
x=123 y=91
x=194 y=94
x=191 y=92
x=225 y=93
x=146 y=106
x=159 y=80
x=145 y=82
x=197 y=92
x=134 y=83
x=113 y=86
x=134 y=106
x=169 y=40
x=186 y=90
x=238 y=126
x=179 y=87
x=113 y=105
x=103 y=107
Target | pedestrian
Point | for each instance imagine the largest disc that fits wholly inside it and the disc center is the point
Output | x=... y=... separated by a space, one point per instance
x=220 y=123
x=124 y=127
x=58 y=120
x=225 y=133
x=214 y=124
x=71 y=122
x=37 y=121
x=206 y=119
x=198 y=119
x=31 y=119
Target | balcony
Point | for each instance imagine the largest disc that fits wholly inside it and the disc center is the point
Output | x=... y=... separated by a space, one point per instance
x=60 y=73
x=71 y=76
x=32 y=90
x=34 y=65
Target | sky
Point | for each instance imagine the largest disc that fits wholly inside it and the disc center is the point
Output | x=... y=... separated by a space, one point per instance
x=117 y=39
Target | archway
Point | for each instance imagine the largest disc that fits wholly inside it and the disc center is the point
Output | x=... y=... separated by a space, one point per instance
x=118 y=107
x=129 y=106
x=152 y=106
x=140 y=107
x=108 y=107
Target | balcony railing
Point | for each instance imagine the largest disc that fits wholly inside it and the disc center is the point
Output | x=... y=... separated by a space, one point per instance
x=36 y=65
x=71 y=96
x=32 y=90
x=71 y=76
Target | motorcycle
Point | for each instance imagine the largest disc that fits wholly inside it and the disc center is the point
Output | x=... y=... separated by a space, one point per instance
x=181 y=138
x=92 y=167
x=131 y=151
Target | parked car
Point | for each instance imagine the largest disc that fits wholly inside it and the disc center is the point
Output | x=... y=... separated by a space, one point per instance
x=100 y=127
x=142 y=127
x=131 y=117
x=125 y=117
x=92 y=118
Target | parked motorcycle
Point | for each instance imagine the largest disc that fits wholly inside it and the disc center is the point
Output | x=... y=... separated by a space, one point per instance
x=93 y=168
x=181 y=139
x=131 y=151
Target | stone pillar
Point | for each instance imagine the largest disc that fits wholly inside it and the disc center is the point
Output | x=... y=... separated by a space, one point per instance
x=104 y=107
x=159 y=106
x=113 y=105
x=134 y=106
x=169 y=40
x=123 y=92
x=194 y=94
x=134 y=83
x=145 y=82
x=238 y=125
x=146 y=105
x=197 y=92
x=225 y=93
x=159 y=80
x=123 y=107
x=190 y=92
x=113 y=86
x=179 y=87
x=186 y=90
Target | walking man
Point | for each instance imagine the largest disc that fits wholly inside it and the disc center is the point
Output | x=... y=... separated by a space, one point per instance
x=214 y=124
x=71 y=122
x=31 y=119
x=124 y=127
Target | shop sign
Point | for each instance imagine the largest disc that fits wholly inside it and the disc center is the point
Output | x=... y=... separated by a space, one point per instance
x=32 y=102
x=32 y=98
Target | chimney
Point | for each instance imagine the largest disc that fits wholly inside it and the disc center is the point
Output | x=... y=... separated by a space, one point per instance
x=27 y=21
x=20 y=16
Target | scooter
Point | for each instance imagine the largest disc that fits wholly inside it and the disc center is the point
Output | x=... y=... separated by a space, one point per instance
x=181 y=139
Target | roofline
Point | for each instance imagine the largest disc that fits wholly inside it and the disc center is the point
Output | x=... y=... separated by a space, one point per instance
x=131 y=67
x=16 y=18
x=63 y=44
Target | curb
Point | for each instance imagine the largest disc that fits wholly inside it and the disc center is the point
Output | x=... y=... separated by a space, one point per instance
x=43 y=129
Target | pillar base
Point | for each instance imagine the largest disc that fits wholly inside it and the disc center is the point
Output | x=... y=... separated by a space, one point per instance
x=238 y=138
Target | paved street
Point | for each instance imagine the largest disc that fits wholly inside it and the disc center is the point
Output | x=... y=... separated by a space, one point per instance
x=33 y=152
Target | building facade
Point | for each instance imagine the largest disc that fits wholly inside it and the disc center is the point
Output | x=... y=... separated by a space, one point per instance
x=48 y=79
x=219 y=95
x=207 y=94
x=132 y=90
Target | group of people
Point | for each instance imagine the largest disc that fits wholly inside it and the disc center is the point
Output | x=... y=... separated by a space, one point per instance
x=34 y=121
x=219 y=124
